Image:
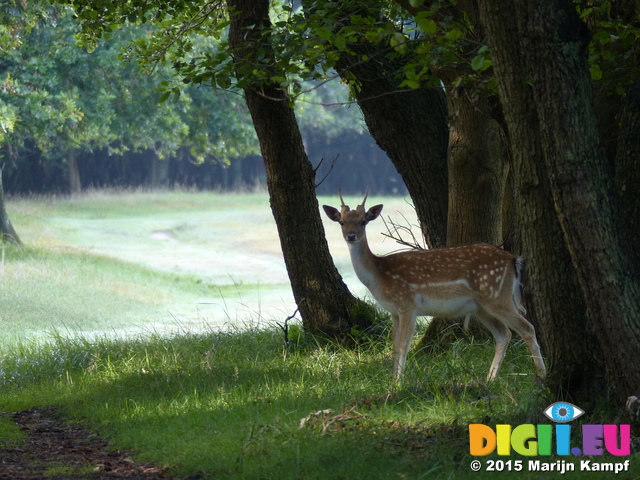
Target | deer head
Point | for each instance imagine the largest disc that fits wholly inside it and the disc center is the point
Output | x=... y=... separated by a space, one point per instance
x=353 y=222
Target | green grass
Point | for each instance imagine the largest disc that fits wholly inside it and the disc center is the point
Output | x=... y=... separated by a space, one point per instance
x=227 y=403
x=10 y=433
x=58 y=290
x=135 y=262
x=230 y=404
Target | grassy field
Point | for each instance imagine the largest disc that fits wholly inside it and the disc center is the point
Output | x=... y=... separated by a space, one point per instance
x=190 y=257
x=104 y=318
x=158 y=262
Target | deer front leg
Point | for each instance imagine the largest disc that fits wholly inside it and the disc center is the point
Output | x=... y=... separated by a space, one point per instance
x=403 y=328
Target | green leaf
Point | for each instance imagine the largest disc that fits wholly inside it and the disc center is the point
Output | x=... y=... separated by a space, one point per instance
x=410 y=84
x=398 y=42
x=453 y=35
x=428 y=26
x=164 y=97
x=596 y=72
x=480 y=63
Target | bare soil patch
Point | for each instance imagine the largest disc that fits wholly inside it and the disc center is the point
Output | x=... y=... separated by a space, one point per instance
x=54 y=449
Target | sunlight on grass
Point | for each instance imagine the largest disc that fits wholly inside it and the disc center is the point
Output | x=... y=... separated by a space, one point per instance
x=230 y=403
x=141 y=262
x=59 y=290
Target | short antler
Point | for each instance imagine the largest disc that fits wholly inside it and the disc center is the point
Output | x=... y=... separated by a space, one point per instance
x=360 y=207
x=345 y=208
x=366 y=194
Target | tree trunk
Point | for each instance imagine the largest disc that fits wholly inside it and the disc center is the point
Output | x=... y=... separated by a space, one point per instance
x=627 y=165
x=324 y=301
x=477 y=172
x=159 y=176
x=411 y=128
x=75 y=185
x=7 y=232
x=539 y=50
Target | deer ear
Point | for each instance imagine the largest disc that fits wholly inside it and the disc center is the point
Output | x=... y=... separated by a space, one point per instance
x=373 y=213
x=332 y=213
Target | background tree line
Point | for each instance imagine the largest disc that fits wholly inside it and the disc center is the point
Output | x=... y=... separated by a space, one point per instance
x=513 y=122
x=73 y=119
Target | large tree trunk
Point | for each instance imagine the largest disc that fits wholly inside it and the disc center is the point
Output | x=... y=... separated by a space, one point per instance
x=411 y=128
x=627 y=165
x=325 y=303
x=477 y=171
x=539 y=53
x=7 y=232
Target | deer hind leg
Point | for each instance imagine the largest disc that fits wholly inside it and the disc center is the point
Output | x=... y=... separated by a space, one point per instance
x=516 y=322
x=403 y=328
x=502 y=336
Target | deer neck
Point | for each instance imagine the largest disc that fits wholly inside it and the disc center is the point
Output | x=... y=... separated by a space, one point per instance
x=365 y=263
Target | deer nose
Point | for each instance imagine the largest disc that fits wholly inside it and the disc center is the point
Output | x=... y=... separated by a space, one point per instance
x=351 y=237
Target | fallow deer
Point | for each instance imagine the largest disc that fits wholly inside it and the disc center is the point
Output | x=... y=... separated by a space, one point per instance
x=478 y=279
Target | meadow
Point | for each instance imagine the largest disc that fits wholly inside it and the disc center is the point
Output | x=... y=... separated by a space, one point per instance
x=150 y=318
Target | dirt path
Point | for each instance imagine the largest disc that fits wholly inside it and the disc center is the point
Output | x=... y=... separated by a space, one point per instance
x=57 y=450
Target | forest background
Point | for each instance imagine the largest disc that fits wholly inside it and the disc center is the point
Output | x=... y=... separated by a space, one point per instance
x=72 y=120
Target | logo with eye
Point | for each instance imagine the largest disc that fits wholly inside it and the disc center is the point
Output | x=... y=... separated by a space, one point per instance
x=563 y=412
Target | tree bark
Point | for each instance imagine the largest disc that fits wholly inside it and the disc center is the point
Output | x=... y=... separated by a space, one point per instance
x=627 y=164
x=539 y=54
x=325 y=303
x=75 y=185
x=411 y=128
x=477 y=171
x=7 y=232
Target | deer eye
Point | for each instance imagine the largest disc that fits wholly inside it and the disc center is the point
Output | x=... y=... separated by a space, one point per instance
x=364 y=223
x=341 y=223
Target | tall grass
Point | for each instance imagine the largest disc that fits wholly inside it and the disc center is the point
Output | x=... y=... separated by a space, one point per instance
x=230 y=404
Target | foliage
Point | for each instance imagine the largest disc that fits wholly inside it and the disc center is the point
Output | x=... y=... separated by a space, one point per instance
x=58 y=98
x=183 y=45
x=55 y=104
x=17 y=18
x=614 y=49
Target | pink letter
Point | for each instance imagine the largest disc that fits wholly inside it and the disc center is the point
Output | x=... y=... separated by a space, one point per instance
x=611 y=440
